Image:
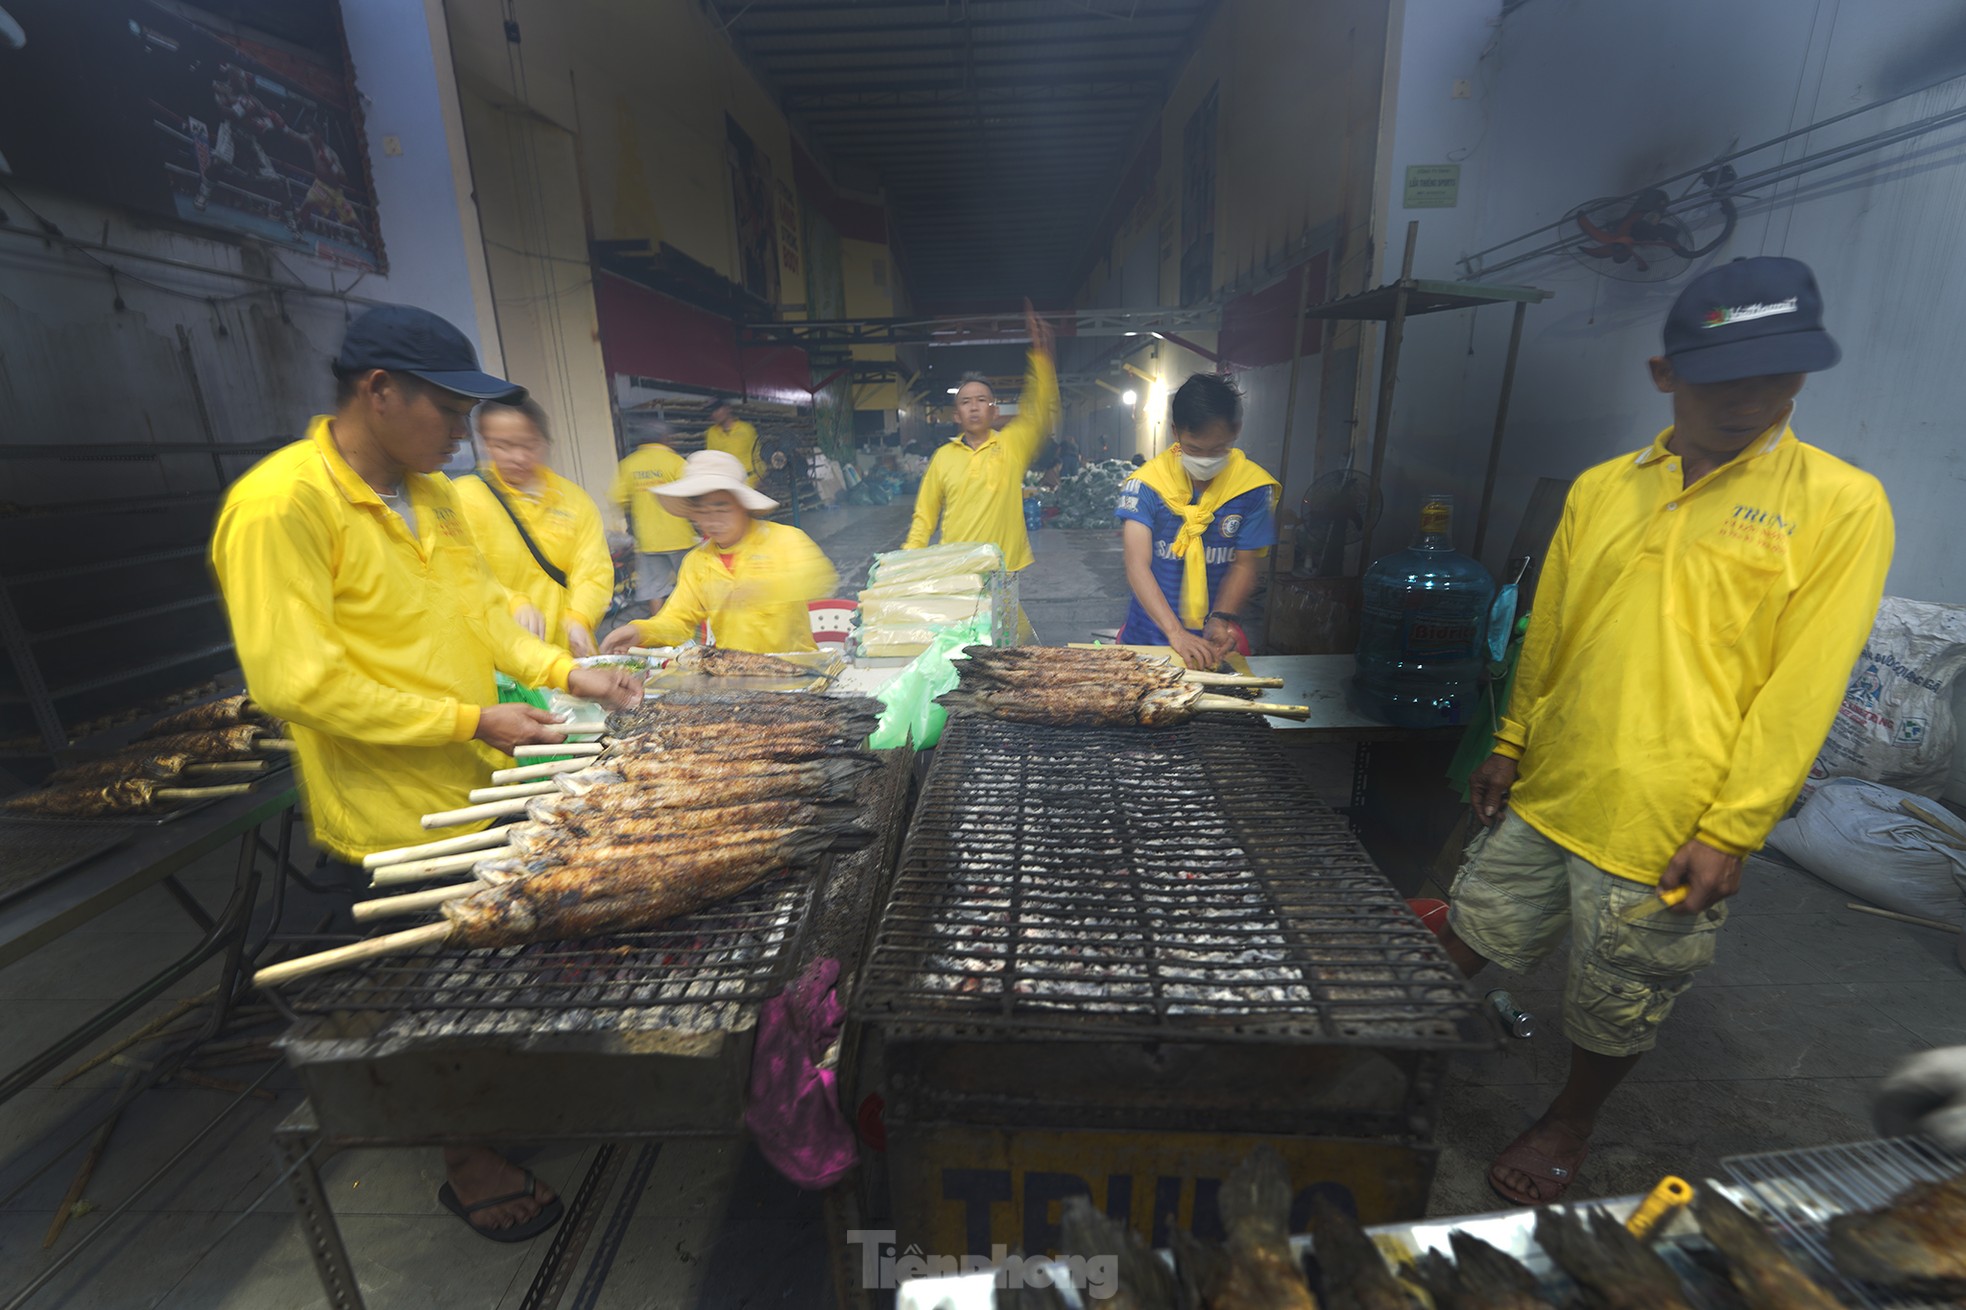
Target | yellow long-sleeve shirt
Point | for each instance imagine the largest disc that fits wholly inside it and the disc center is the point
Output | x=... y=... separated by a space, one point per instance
x=978 y=492
x=376 y=645
x=566 y=523
x=757 y=602
x=647 y=467
x=1689 y=648
x=741 y=441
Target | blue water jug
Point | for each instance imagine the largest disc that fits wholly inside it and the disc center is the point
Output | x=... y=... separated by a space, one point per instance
x=1422 y=624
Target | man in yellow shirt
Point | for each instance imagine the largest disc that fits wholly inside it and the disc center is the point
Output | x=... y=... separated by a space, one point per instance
x=975 y=482
x=365 y=617
x=736 y=438
x=749 y=580
x=528 y=520
x=1699 y=612
x=661 y=538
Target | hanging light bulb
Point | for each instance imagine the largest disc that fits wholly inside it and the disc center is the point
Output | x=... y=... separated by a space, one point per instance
x=1128 y=396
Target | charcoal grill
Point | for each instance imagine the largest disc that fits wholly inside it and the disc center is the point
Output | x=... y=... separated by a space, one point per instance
x=486 y=1041
x=1120 y=956
x=1802 y=1190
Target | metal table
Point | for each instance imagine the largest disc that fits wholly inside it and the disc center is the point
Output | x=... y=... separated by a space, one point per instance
x=1320 y=681
x=153 y=853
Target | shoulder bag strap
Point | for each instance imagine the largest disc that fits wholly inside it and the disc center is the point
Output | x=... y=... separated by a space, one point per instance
x=546 y=566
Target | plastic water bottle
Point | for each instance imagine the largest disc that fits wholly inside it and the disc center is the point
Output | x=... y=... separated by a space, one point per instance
x=1421 y=629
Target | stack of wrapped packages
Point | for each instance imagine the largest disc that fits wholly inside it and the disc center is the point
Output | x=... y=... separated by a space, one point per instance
x=914 y=597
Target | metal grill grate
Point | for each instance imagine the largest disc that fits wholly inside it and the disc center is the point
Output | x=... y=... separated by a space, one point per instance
x=36 y=852
x=1148 y=883
x=1803 y=1190
x=694 y=974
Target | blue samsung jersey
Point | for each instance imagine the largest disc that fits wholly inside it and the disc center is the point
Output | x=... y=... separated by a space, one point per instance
x=1244 y=523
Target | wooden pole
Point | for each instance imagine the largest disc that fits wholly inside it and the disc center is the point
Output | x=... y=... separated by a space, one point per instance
x=518 y=790
x=1501 y=423
x=535 y=751
x=1903 y=918
x=1283 y=457
x=534 y=772
x=1382 y=421
x=1206 y=702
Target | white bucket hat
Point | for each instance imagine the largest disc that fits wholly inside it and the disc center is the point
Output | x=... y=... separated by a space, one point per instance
x=714 y=470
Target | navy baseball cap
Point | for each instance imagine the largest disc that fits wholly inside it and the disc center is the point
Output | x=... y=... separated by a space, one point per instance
x=1747 y=319
x=404 y=339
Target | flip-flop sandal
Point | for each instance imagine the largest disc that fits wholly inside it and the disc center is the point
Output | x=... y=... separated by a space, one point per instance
x=1555 y=1179
x=549 y=1214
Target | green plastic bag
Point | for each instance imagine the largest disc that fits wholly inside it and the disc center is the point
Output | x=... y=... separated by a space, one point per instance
x=908 y=703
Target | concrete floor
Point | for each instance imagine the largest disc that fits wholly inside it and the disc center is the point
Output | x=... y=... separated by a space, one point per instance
x=1777 y=1046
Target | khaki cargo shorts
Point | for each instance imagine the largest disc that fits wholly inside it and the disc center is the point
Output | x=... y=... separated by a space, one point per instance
x=1518 y=892
x=655 y=575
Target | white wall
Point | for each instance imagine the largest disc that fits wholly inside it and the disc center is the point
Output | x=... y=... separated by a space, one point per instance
x=1573 y=99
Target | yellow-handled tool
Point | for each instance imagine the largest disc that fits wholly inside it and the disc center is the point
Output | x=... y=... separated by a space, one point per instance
x=1671 y=1193
x=1645 y=909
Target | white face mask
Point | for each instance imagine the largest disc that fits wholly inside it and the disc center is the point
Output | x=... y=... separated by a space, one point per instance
x=1204 y=469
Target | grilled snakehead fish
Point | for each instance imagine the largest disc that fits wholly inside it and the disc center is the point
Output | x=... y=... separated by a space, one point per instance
x=716 y=662
x=583 y=899
x=1617 y=1269
x=1079 y=705
x=228 y=712
x=1759 y=1269
x=160 y=766
x=747 y=708
x=1479 y=1277
x=1916 y=1244
x=208 y=745
x=125 y=796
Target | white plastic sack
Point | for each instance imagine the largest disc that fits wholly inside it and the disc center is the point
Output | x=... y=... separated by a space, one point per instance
x=1856 y=836
x=1895 y=724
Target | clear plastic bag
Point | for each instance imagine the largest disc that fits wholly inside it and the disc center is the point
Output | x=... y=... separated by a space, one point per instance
x=934 y=562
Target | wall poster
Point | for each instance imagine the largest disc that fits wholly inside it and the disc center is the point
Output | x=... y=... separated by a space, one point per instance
x=754 y=204
x=171 y=110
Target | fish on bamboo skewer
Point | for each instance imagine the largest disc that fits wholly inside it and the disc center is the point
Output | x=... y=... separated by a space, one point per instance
x=825 y=779
x=1916 y=1244
x=161 y=766
x=1096 y=705
x=717 y=662
x=1756 y=1264
x=1080 y=663
x=580 y=900
x=227 y=712
x=728 y=708
x=126 y=796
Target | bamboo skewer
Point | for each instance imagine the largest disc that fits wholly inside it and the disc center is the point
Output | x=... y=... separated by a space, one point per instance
x=1207 y=702
x=570 y=748
x=1941 y=925
x=281 y=745
x=516 y=790
x=200 y=793
x=425 y=870
x=473 y=813
x=375 y=948
x=1200 y=678
x=470 y=841
x=150 y=1029
x=533 y=772
x=381 y=907
x=225 y=766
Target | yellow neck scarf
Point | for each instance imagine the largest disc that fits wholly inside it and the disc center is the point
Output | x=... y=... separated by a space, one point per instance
x=1166 y=476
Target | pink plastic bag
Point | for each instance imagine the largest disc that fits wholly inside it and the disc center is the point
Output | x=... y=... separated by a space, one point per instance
x=794 y=1110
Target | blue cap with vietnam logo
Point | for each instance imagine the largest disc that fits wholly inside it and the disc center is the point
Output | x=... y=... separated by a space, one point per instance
x=404 y=339
x=1749 y=318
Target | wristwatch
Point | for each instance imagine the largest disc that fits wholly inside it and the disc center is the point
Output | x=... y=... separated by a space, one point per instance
x=1225 y=617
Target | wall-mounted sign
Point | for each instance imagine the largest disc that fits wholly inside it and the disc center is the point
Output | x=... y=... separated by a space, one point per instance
x=1432 y=186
